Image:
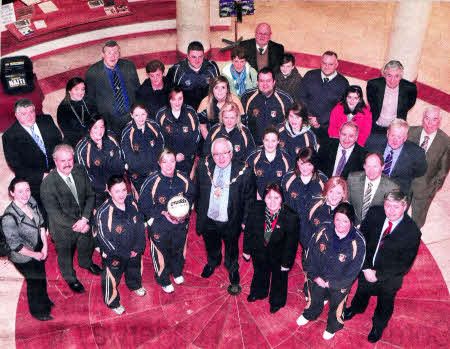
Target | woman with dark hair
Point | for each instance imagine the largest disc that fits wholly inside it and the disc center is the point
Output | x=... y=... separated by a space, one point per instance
x=100 y=155
x=120 y=234
x=73 y=112
x=271 y=240
x=22 y=225
x=180 y=128
x=296 y=133
x=209 y=108
x=141 y=143
x=351 y=108
x=334 y=259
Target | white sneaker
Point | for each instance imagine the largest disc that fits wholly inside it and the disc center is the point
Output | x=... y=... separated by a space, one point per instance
x=302 y=321
x=306 y=298
x=168 y=288
x=119 y=310
x=140 y=292
x=327 y=335
x=179 y=280
x=325 y=302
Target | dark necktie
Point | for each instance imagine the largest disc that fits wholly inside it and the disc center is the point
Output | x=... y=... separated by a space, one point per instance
x=261 y=51
x=325 y=80
x=386 y=233
x=424 y=144
x=341 y=164
x=118 y=93
x=366 y=200
x=388 y=163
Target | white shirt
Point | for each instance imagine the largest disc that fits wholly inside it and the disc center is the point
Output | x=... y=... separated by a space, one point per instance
x=329 y=77
x=36 y=131
x=375 y=185
x=389 y=109
x=385 y=225
x=263 y=47
x=422 y=138
x=348 y=152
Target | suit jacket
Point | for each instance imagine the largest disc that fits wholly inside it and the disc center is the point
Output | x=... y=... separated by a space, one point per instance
x=407 y=95
x=355 y=184
x=100 y=94
x=276 y=52
x=438 y=163
x=242 y=194
x=24 y=156
x=327 y=158
x=410 y=164
x=398 y=251
x=282 y=246
x=60 y=204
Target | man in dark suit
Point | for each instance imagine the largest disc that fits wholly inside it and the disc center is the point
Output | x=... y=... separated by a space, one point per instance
x=225 y=192
x=111 y=86
x=390 y=96
x=28 y=146
x=321 y=89
x=367 y=188
x=261 y=51
x=69 y=200
x=435 y=143
x=339 y=157
x=392 y=242
x=403 y=160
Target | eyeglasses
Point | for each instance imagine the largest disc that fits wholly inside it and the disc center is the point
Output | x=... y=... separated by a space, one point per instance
x=220 y=154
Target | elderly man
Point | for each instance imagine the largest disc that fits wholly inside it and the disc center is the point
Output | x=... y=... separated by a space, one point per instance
x=261 y=51
x=341 y=156
x=367 y=188
x=435 y=143
x=111 y=86
x=321 y=89
x=193 y=74
x=403 y=160
x=392 y=242
x=225 y=192
x=28 y=145
x=265 y=105
x=390 y=96
x=69 y=200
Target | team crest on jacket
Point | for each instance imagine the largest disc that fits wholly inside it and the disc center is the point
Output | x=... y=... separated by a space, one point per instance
x=282 y=144
x=297 y=150
x=322 y=248
x=156 y=236
x=119 y=229
x=316 y=221
x=187 y=82
x=152 y=142
x=273 y=114
x=342 y=257
x=255 y=112
x=111 y=153
x=115 y=263
x=237 y=147
x=208 y=79
x=134 y=176
x=294 y=195
x=343 y=290
x=279 y=173
x=94 y=233
x=136 y=147
x=134 y=219
x=259 y=172
x=168 y=129
x=97 y=162
x=185 y=129
x=162 y=200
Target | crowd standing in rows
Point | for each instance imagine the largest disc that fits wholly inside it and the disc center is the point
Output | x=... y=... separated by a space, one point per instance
x=286 y=159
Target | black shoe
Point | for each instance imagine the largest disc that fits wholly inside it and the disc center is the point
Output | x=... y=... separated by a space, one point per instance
x=51 y=303
x=207 y=271
x=252 y=298
x=234 y=289
x=375 y=334
x=94 y=269
x=44 y=317
x=348 y=314
x=275 y=308
x=76 y=286
x=234 y=277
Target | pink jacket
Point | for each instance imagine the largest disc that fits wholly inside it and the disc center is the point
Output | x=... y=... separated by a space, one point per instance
x=364 y=122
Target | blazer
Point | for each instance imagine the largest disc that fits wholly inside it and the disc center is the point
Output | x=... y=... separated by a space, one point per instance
x=410 y=164
x=355 y=184
x=99 y=91
x=327 y=158
x=438 y=163
x=282 y=246
x=241 y=197
x=24 y=156
x=396 y=256
x=60 y=204
x=407 y=96
x=276 y=52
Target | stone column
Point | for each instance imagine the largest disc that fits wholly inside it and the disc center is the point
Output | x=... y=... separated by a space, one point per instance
x=409 y=27
x=192 y=24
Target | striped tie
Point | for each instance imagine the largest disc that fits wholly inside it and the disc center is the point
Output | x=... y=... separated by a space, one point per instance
x=388 y=163
x=118 y=94
x=341 y=164
x=424 y=144
x=39 y=142
x=366 y=200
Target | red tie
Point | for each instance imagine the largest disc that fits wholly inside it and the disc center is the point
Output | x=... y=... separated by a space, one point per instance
x=385 y=233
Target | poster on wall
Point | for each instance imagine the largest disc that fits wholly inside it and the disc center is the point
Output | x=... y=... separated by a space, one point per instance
x=227 y=8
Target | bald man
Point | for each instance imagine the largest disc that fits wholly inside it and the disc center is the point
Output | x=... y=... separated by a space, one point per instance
x=261 y=51
x=435 y=143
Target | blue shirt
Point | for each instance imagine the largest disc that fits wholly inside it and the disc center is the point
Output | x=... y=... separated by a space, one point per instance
x=395 y=155
x=218 y=204
x=122 y=83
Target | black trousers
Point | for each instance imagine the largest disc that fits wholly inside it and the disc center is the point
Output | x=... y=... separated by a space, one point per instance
x=263 y=268
x=34 y=274
x=113 y=269
x=216 y=232
x=337 y=299
x=385 y=294
x=65 y=250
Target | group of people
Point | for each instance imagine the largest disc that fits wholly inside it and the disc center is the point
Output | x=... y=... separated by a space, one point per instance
x=285 y=159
